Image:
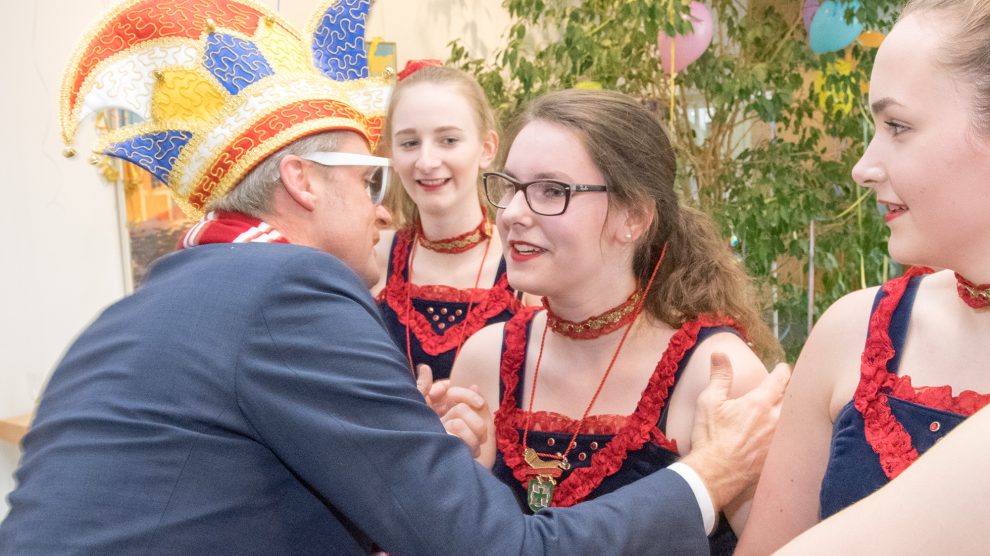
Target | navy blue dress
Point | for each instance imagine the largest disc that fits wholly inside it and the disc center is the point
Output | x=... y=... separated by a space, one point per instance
x=598 y=465
x=438 y=319
x=901 y=418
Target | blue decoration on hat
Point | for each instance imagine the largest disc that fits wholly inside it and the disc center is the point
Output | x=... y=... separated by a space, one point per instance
x=338 y=40
x=155 y=152
x=234 y=62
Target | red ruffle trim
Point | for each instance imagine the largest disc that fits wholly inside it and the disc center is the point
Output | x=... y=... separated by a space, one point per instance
x=397 y=293
x=555 y=422
x=638 y=428
x=888 y=437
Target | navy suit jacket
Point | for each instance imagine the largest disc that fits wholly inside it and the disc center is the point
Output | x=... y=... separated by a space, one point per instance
x=248 y=400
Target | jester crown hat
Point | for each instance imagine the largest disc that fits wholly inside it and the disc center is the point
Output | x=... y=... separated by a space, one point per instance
x=220 y=85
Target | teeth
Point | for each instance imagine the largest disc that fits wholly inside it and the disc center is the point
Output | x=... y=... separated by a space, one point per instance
x=431 y=183
x=527 y=249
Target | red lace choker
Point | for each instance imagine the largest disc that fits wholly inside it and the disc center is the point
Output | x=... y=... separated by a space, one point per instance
x=456 y=244
x=598 y=325
x=976 y=296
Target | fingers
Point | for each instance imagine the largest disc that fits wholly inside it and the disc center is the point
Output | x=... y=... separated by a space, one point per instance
x=468 y=418
x=720 y=382
x=467 y=396
x=424 y=379
x=438 y=396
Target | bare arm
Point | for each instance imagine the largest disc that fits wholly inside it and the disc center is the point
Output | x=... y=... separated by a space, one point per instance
x=748 y=372
x=786 y=501
x=937 y=506
x=731 y=436
x=474 y=376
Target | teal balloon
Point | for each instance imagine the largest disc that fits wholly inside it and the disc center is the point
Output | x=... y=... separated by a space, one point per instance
x=829 y=31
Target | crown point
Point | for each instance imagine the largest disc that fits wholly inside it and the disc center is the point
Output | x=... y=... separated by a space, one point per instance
x=68 y=152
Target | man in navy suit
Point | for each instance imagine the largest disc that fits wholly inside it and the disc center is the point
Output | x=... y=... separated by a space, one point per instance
x=246 y=399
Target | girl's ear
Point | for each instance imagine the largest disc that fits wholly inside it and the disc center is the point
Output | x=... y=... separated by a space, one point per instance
x=636 y=220
x=489 y=148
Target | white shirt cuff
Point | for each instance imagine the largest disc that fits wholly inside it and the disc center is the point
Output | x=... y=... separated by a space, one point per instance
x=700 y=493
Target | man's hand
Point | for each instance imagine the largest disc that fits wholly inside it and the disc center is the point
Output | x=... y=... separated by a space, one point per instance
x=731 y=437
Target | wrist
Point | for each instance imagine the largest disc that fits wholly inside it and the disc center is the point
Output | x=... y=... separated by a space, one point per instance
x=722 y=484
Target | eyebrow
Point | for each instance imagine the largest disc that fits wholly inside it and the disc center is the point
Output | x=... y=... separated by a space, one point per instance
x=542 y=176
x=882 y=104
x=444 y=129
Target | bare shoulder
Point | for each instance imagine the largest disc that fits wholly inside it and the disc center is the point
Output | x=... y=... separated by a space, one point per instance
x=827 y=370
x=478 y=362
x=383 y=249
x=846 y=317
x=747 y=369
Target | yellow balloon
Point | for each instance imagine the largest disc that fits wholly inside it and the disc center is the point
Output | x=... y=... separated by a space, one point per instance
x=590 y=85
x=870 y=39
x=841 y=98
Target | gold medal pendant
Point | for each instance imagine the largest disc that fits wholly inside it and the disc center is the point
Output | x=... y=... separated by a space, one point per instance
x=542 y=479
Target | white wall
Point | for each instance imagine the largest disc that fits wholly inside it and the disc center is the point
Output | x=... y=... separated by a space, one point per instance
x=61 y=261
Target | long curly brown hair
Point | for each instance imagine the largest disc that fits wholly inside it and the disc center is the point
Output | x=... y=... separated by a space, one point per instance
x=699 y=274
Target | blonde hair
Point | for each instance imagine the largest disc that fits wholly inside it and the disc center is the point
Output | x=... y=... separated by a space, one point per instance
x=397 y=201
x=699 y=274
x=966 y=47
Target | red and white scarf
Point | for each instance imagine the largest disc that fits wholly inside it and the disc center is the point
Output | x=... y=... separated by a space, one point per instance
x=230 y=227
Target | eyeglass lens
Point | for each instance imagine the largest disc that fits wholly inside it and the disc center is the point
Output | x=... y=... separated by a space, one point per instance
x=544 y=197
x=375 y=184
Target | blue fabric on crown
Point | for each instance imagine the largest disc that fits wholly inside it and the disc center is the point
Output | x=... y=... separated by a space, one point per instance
x=234 y=62
x=338 y=41
x=154 y=152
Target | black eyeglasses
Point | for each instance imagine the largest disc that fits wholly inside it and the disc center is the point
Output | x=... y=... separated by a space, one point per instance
x=544 y=196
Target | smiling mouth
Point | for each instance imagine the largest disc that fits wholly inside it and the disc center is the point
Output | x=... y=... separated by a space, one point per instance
x=893 y=211
x=521 y=251
x=437 y=182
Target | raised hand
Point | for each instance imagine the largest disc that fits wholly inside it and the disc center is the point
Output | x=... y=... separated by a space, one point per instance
x=731 y=436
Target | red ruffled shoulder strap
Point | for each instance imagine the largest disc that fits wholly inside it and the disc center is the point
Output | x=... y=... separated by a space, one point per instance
x=886 y=435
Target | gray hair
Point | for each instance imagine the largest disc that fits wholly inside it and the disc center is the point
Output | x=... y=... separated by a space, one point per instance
x=253 y=195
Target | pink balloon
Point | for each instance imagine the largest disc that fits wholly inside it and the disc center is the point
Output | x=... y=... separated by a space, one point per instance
x=808 y=12
x=690 y=47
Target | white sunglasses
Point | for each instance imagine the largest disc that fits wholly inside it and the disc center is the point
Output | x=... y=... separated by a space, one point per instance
x=375 y=183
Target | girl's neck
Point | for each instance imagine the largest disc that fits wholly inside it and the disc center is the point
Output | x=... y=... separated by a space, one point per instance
x=451 y=223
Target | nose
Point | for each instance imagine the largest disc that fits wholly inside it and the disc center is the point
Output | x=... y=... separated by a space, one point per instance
x=427 y=160
x=868 y=172
x=383 y=218
x=517 y=211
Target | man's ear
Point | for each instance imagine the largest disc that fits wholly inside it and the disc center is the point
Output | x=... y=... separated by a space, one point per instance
x=296 y=182
x=489 y=148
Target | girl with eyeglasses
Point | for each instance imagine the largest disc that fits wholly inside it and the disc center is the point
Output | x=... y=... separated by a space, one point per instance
x=597 y=387
x=443 y=272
